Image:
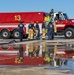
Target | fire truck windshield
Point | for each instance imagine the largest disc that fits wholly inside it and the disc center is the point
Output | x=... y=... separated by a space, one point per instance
x=65 y=16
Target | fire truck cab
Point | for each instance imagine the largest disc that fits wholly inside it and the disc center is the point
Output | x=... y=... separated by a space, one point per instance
x=64 y=25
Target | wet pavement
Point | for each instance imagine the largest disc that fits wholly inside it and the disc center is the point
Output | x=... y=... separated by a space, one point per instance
x=57 y=56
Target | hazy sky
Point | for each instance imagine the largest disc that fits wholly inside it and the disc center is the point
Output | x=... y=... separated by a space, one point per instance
x=38 y=5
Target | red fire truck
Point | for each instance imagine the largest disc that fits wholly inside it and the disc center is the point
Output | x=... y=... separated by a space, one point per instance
x=9 y=23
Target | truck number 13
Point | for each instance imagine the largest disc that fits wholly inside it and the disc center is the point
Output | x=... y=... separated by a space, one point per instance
x=17 y=17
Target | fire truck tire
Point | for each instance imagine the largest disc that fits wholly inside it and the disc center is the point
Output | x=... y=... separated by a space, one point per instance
x=4 y=47
x=16 y=47
x=69 y=33
x=5 y=34
x=15 y=34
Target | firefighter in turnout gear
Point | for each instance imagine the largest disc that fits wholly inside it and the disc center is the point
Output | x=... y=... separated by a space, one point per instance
x=53 y=20
x=31 y=31
x=37 y=31
x=43 y=30
x=21 y=27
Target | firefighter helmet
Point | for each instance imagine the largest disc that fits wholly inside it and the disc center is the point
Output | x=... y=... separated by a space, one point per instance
x=52 y=10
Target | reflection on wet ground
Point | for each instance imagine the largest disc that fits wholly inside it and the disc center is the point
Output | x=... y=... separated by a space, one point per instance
x=59 y=56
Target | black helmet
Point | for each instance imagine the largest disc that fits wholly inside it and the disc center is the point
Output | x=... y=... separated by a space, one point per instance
x=21 y=21
x=52 y=10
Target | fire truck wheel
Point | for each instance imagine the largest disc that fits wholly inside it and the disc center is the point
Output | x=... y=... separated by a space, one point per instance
x=69 y=33
x=15 y=34
x=4 y=47
x=5 y=34
x=16 y=47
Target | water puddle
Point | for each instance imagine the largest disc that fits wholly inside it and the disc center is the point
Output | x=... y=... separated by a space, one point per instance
x=59 y=56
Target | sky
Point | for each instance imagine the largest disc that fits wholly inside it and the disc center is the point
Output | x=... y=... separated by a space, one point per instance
x=66 y=6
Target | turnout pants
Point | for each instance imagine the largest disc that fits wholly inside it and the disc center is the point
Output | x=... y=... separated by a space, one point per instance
x=31 y=34
x=37 y=31
x=43 y=33
x=55 y=27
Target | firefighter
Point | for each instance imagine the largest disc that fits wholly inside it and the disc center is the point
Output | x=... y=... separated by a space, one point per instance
x=53 y=19
x=21 y=27
x=31 y=31
x=43 y=30
x=50 y=31
x=37 y=30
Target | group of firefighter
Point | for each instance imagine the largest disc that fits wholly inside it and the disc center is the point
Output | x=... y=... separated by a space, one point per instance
x=48 y=28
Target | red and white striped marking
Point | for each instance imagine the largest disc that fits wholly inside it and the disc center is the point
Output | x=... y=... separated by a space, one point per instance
x=60 y=25
x=6 y=52
x=7 y=26
x=60 y=52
